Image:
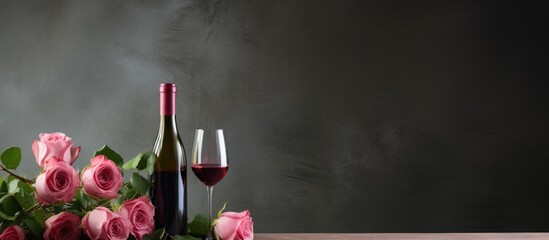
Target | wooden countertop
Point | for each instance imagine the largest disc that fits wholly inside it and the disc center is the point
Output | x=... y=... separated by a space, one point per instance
x=403 y=236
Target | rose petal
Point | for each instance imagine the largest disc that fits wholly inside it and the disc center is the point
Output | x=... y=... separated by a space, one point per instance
x=57 y=148
x=75 y=152
x=226 y=227
x=43 y=195
x=236 y=215
x=40 y=151
x=93 y=221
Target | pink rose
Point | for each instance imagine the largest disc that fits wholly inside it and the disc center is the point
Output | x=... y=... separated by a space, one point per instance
x=54 y=145
x=235 y=226
x=103 y=224
x=64 y=225
x=58 y=182
x=13 y=233
x=140 y=212
x=102 y=179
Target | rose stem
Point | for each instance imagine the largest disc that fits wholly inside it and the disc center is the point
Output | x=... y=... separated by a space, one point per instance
x=16 y=176
x=35 y=206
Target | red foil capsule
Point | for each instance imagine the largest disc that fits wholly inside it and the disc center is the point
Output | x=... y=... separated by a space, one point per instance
x=167 y=98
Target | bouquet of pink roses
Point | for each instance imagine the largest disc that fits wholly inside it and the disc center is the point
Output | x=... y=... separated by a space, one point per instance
x=94 y=203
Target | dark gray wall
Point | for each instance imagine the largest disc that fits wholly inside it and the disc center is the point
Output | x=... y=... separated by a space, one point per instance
x=340 y=116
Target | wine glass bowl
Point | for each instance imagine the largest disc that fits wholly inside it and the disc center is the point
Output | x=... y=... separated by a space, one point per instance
x=209 y=162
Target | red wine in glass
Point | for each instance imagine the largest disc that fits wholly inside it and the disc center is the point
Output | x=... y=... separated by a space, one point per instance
x=210 y=174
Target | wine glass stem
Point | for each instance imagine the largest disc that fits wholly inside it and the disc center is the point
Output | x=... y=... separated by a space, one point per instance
x=210 y=190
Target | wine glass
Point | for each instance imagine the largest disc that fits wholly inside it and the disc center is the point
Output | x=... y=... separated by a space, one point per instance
x=209 y=163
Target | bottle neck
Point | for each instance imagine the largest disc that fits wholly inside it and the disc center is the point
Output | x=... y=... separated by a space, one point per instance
x=168 y=124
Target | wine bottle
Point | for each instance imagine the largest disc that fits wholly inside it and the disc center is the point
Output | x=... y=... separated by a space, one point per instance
x=169 y=190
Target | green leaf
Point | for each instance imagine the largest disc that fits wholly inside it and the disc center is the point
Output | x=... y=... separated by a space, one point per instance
x=40 y=216
x=4 y=224
x=10 y=207
x=110 y=154
x=199 y=225
x=131 y=194
x=26 y=188
x=11 y=157
x=24 y=195
x=128 y=192
x=151 y=161
x=155 y=234
x=3 y=185
x=58 y=207
x=13 y=186
x=33 y=224
x=4 y=196
x=80 y=199
x=5 y=216
x=116 y=203
x=133 y=163
x=139 y=183
x=140 y=161
x=89 y=202
x=185 y=237
x=25 y=202
x=221 y=210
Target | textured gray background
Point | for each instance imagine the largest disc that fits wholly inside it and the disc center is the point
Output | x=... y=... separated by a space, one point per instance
x=340 y=116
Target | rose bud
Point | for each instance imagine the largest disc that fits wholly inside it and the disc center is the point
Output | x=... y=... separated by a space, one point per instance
x=64 y=225
x=103 y=224
x=140 y=212
x=54 y=145
x=58 y=182
x=13 y=233
x=102 y=179
x=235 y=226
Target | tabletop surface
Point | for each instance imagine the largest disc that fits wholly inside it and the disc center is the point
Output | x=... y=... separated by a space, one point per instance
x=403 y=236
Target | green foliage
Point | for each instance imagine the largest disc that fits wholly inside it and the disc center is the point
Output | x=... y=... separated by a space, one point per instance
x=22 y=192
x=198 y=227
x=110 y=154
x=128 y=192
x=155 y=235
x=80 y=202
x=221 y=210
x=133 y=163
x=35 y=227
x=3 y=185
x=151 y=160
x=40 y=215
x=13 y=186
x=140 y=162
x=185 y=237
x=11 y=157
x=140 y=184
x=9 y=208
